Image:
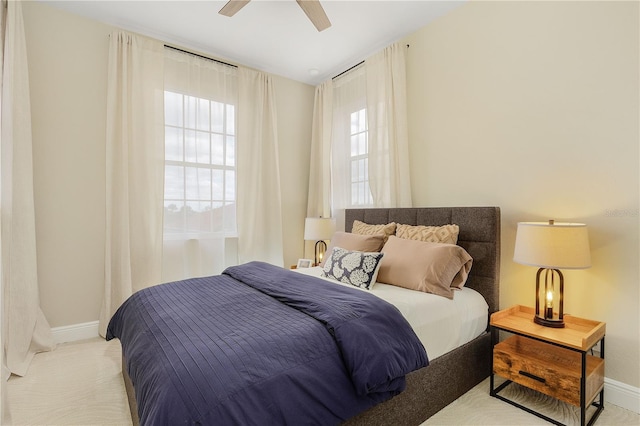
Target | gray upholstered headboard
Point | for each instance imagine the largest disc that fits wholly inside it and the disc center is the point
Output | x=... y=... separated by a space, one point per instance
x=479 y=236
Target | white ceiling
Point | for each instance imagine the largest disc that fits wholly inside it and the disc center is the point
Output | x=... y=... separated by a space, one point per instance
x=270 y=35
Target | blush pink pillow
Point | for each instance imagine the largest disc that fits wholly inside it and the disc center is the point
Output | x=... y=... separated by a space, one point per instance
x=424 y=266
x=355 y=242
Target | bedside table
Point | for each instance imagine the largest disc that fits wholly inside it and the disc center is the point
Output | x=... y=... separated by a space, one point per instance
x=553 y=361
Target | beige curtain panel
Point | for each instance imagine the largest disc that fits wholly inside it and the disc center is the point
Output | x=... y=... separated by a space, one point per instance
x=135 y=169
x=259 y=198
x=25 y=330
x=319 y=197
x=389 y=178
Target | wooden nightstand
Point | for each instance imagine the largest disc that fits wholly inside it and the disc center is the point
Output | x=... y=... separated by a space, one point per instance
x=553 y=361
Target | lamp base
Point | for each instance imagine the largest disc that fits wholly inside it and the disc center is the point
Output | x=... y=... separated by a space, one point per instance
x=546 y=316
x=319 y=251
x=554 y=323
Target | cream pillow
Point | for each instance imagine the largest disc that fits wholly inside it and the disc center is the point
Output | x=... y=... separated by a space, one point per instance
x=354 y=242
x=447 y=234
x=429 y=267
x=362 y=228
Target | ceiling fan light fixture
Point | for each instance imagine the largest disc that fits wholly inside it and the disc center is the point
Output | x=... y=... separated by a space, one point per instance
x=314 y=11
x=312 y=8
x=232 y=7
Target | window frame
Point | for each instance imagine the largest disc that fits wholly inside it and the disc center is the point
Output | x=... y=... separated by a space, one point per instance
x=228 y=167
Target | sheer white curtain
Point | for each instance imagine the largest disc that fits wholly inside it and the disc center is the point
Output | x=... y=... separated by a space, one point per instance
x=201 y=98
x=135 y=169
x=360 y=119
x=25 y=329
x=349 y=98
x=259 y=198
x=389 y=178
x=319 y=197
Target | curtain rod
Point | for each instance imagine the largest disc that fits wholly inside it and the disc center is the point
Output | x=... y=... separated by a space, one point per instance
x=200 y=56
x=347 y=70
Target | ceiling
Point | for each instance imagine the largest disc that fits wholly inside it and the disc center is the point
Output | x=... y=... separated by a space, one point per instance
x=270 y=35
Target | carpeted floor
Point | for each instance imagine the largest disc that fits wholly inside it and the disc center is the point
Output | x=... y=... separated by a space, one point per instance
x=80 y=384
x=477 y=407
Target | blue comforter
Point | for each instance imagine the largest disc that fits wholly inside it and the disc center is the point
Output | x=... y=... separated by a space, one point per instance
x=262 y=345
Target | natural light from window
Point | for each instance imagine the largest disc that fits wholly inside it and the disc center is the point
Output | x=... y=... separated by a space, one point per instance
x=200 y=167
x=360 y=191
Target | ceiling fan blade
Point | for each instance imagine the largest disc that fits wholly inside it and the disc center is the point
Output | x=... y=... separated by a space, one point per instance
x=232 y=7
x=315 y=13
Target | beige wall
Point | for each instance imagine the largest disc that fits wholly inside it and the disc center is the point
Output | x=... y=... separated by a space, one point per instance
x=295 y=112
x=67 y=72
x=533 y=107
x=68 y=75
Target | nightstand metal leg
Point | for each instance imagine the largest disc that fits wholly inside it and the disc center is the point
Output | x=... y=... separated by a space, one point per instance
x=494 y=340
x=600 y=404
x=583 y=390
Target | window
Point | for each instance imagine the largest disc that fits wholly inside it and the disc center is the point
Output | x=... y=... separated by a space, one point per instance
x=350 y=142
x=200 y=167
x=359 y=160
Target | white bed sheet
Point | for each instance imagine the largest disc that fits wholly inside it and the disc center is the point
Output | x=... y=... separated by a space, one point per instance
x=441 y=324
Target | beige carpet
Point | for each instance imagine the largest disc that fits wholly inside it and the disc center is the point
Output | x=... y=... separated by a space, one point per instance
x=80 y=384
x=477 y=407
x=76 y=384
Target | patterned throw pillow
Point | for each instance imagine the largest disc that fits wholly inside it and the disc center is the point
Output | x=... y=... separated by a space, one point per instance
x=362 y=228
x=447 y=234
x=357 y=268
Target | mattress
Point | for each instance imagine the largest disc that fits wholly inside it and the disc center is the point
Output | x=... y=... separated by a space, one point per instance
x=441 y=324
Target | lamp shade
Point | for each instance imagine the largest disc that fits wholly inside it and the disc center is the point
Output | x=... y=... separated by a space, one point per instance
x=319 y=228
x=552 y=245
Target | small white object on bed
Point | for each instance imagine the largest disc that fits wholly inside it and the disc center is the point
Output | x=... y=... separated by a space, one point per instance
x=441 y=324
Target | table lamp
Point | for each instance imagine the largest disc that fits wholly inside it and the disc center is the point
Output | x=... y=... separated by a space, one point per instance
x=319 y=229
x=551 y=246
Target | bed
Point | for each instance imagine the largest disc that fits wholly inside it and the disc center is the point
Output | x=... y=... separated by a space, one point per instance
x=450 y=374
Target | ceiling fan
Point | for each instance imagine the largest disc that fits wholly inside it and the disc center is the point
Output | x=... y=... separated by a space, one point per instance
x=312 y=8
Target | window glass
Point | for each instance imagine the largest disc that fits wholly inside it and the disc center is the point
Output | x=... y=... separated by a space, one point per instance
x=360 y=192
x=200 y=174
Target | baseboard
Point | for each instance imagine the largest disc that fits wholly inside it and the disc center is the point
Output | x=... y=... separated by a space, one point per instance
x=622 y=395
x=616 y=393
x=75 y=332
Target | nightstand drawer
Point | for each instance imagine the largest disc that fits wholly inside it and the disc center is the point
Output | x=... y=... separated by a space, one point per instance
x=549 y=369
